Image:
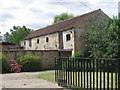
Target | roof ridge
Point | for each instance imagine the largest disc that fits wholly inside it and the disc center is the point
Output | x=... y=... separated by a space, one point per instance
x=78 y=16
x=60 y=26
x=70 y=19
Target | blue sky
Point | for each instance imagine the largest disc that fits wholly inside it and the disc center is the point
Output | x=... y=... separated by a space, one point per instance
x=36 y=14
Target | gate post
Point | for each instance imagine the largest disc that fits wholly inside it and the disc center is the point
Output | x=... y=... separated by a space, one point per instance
x=118 y=73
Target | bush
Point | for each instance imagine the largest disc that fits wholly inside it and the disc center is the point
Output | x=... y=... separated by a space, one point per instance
x=29 y=62
x=14 y=67
x=82 y=54
x=4 y=64
x=49 y=67
x=78 y=54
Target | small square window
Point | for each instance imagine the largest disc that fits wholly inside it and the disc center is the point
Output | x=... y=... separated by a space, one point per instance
x=47 y=39
x=37 y=41
x=68 y=37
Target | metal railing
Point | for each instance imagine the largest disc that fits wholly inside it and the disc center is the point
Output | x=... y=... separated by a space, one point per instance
x=88 y=73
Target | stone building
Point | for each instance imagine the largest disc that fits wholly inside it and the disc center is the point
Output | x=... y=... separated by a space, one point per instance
x=65 y=35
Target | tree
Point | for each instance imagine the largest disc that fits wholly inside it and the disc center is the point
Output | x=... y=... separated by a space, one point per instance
x=62 y=17
x=18 y=33
x=0 y=37
x=6 y=37
x=104 y=43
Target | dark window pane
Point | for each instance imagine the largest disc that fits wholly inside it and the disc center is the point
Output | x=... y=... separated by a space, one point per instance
x=68 y=37
x=24 y=43
x=30 y=43
x=47 y=39
x=37 y=41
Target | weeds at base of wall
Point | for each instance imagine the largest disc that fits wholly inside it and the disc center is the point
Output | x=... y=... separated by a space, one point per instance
x=49 y=67
x=69 y=86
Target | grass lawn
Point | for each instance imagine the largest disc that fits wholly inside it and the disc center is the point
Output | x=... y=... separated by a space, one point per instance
x=51 y=77
x=48 y=76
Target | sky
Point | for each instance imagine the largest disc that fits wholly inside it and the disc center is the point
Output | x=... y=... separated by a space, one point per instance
x=36 y=14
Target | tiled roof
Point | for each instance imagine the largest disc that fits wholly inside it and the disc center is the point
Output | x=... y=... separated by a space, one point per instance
x=67 y=24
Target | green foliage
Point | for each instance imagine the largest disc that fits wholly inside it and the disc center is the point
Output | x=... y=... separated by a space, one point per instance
x=17 y=34
x=49 y=67
x=4 y=65
x=78 y=54
x=81 y=54
x=0 y=37
x=6 y=37
x=29 y=62
x=62 y=17
x=105 y=42
x=70 y=86
x=50 y=76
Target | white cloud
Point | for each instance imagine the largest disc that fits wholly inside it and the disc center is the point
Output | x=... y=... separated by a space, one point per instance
x=39 y=13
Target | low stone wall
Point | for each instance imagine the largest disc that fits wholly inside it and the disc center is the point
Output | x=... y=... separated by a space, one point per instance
x=47 y=56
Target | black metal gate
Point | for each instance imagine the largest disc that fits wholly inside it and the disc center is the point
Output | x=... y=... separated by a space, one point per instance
x=87 y=73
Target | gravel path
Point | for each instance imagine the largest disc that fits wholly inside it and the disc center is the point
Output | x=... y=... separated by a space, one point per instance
x=26 y=80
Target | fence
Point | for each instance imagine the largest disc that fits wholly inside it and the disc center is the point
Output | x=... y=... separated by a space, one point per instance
x=88 y=73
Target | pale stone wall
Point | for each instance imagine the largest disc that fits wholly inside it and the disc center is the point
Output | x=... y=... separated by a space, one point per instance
x=98 y=20
x=27 y=44
x=47 y=56
x=68 y=44
x=52 y=44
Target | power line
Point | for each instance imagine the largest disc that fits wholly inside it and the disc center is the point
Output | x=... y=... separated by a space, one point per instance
x=66 y=7
x=74 y=10
x=86 y=5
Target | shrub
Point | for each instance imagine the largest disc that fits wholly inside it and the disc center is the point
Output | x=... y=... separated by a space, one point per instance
x=49 y=67
x=82 y=54
x=29 y=62
x=77 y=54
x=4 y=64
x=14 y=67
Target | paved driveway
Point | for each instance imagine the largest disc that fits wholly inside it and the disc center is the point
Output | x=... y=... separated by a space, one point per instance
x=26 y=80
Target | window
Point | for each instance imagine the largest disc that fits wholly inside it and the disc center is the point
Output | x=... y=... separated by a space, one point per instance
x=47 y=39
x=30 y=43
x=68 y=37
x=24 y=43
x=37 y=41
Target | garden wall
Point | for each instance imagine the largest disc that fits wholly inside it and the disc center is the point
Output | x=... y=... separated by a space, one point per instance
x=47 y=56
